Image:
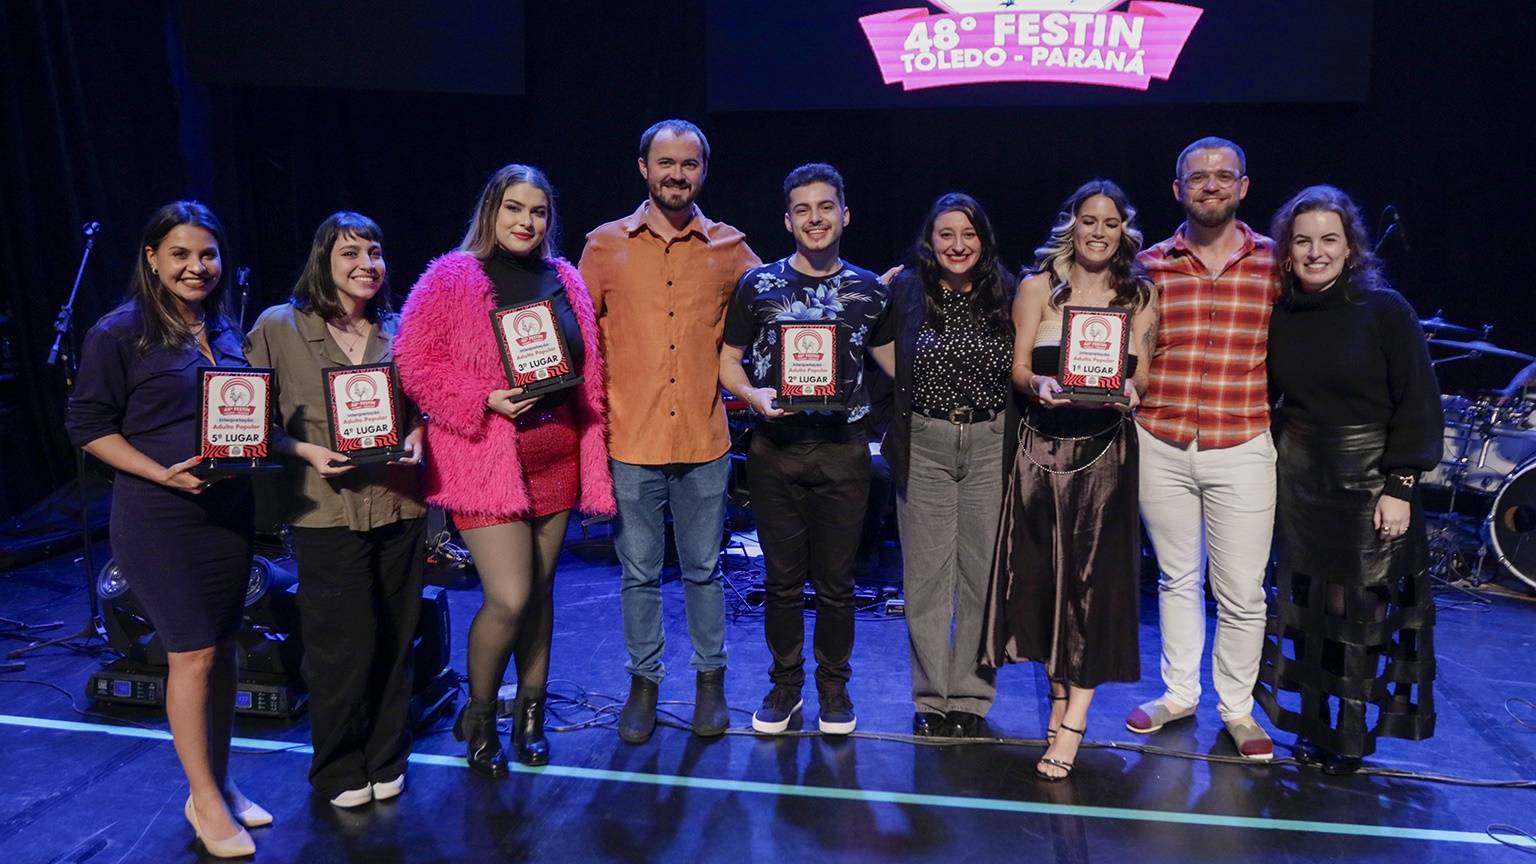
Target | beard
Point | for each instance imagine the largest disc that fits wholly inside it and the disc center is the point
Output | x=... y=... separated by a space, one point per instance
x=1212 y=217
x=674 y=198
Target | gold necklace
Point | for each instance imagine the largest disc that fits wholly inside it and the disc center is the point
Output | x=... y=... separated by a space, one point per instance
x=359 y=335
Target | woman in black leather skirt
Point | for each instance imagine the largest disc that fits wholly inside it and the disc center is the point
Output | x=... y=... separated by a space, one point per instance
x=1349 y=654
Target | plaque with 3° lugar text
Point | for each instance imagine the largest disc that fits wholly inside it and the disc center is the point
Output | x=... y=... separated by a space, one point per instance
x=533 y=349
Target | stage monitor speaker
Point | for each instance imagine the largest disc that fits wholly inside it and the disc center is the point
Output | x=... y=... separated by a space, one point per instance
x=270 y=647
x=268 y=641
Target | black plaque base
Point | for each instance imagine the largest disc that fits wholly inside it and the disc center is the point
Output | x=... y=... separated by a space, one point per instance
x=539 y=388
x=1098 y=396
x=209 y=467
x=791 y=404
x=370 y=457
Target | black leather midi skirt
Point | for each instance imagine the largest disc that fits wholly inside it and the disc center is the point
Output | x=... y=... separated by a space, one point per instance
x=1349 y=649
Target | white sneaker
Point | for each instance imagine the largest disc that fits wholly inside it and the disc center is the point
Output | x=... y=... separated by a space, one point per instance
x=389 y=788
x=354 y=797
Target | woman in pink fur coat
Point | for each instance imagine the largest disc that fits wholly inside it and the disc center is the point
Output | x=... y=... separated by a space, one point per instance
x=508 y=470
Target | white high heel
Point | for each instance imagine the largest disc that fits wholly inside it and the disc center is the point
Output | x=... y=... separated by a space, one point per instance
x=254 y=816
x=237 y=846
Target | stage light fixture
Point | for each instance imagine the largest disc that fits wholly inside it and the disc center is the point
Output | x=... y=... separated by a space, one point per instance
x=110 y=582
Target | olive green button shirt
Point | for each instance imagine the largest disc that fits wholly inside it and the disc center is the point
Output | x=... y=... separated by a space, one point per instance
x=297 y=345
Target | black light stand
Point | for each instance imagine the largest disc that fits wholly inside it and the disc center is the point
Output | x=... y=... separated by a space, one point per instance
x=63 y=355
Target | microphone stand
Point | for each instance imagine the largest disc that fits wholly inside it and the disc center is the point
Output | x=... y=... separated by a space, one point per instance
x=1382 y=239
x=63 y=355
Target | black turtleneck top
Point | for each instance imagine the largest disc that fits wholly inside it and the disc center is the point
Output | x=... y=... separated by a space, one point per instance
x=523 y=279
x=1345 y=356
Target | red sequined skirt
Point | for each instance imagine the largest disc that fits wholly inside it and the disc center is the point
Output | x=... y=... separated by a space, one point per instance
x=549 y=446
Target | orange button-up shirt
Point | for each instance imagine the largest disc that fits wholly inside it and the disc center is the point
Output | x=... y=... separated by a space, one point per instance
x=661 y=309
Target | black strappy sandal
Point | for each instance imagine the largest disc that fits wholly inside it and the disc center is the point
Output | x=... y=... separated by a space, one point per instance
x=1057 y=763
x=1050 y=734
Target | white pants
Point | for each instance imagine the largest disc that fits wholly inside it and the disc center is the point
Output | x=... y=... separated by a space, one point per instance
x=1221 y=500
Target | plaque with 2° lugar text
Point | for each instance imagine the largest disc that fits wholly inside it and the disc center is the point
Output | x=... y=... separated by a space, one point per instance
x=810 y=373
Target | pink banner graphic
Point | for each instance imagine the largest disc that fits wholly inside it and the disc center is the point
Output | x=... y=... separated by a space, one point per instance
x=1112 y=49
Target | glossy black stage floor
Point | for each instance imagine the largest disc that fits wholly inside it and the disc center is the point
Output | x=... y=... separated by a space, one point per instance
x=105 y=790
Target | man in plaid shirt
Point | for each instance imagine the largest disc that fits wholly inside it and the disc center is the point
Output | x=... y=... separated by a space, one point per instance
x=1207 y=478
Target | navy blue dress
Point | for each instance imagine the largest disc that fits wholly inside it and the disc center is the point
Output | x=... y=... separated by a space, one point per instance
x=187 y=557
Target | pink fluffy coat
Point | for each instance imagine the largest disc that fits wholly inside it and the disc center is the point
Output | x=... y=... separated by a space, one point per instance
x=448 y=360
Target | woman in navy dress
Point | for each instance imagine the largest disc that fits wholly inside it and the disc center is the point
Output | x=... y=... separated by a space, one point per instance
x=183 y=542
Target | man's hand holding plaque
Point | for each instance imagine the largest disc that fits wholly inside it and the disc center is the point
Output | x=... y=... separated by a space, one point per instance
x=762 y=400
x=533 y=350
x=1094 y=349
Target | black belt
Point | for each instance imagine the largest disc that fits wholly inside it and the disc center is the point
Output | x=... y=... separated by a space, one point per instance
x=959 y=415
x=781 y=433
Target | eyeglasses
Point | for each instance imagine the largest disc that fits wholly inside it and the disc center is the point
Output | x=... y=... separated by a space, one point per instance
x=1198 y=180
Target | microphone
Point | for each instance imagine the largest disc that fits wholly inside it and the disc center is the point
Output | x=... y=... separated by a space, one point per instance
x=91 y=229
x=1397 y=223
x=243 y=282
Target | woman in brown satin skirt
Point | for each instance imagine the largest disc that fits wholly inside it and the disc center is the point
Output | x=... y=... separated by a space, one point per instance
x=1064 y=579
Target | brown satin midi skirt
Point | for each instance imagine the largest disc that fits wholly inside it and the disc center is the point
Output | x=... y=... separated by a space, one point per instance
x=1066 y=573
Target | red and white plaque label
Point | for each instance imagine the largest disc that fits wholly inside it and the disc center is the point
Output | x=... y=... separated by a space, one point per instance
x=364 y=412
x=1093 y=347
x=236 y=413
x=808 y=360
x=531 y=343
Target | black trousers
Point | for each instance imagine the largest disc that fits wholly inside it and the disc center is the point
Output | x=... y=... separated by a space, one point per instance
x=359 y=600
x=809 y=499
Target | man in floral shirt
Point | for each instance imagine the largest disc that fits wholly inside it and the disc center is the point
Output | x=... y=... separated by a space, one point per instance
x=808 y=472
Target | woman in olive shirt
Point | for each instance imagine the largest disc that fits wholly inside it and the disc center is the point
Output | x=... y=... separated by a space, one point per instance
x=357 y=530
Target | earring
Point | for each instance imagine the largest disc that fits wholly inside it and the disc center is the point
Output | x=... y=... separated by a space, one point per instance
x=155 y=270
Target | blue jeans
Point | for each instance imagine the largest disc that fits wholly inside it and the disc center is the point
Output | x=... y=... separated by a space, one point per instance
x=696 y=495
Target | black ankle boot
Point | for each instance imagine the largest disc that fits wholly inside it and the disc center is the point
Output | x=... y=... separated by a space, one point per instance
x=1307 y=753
x=528 y=732
x=638 y=719
x=711 y=716
x=476 y=725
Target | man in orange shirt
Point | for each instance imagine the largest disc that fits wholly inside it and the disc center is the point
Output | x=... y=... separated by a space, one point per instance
x=660 y=279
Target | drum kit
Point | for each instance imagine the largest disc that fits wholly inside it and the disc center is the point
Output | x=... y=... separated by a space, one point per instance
x=1489 y=457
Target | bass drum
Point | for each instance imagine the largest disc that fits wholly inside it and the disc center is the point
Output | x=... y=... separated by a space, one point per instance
x=1511 y=525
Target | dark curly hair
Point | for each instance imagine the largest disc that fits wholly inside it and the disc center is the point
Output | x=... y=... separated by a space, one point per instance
x=992 y=285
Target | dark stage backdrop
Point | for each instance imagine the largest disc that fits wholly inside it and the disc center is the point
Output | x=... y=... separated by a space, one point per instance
x=105 y=120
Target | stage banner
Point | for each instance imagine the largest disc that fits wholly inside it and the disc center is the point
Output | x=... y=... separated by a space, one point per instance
x=1059 y=41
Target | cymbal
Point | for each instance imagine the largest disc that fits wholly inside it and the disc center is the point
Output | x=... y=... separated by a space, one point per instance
x=1438 y=324
x=1482 y=347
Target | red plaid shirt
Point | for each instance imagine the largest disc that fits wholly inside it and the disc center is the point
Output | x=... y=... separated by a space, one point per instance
x=1209 y=382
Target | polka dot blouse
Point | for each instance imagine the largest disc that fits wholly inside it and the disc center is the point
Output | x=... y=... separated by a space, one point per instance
x=965 y=365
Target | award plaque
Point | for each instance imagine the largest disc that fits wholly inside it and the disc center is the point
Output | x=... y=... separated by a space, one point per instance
x=363 y=406
x=1094 y=343
x=810 y=366
x=234 y=419
x=533 y=349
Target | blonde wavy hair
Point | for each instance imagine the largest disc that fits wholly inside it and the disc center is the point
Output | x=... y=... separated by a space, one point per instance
x=1132 y=285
